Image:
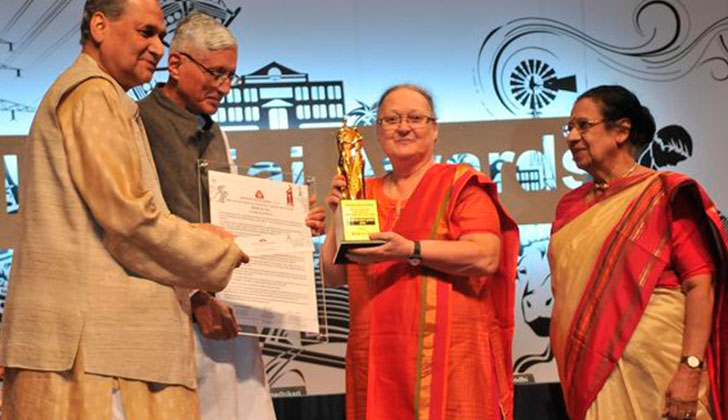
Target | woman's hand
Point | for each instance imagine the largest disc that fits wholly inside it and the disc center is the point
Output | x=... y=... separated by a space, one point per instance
x=681 y=397
x=316 y=217
x=395 y=247
x=337 y=186
x=474 y=254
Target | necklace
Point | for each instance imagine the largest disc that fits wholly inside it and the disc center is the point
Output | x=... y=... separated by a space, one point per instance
x=602 y=186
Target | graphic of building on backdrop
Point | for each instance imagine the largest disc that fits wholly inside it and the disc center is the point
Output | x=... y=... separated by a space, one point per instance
x=176 y=10
x=276 y=97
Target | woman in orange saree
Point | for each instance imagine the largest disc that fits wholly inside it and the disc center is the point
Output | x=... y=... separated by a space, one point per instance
x=431 y=310
x=638 y=274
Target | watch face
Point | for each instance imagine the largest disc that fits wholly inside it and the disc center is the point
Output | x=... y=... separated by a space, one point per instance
x=414 y=261
x=693 y=362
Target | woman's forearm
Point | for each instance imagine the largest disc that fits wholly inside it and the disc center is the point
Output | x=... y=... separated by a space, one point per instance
x=699 y=300
x=334 y=275
x=476 y=254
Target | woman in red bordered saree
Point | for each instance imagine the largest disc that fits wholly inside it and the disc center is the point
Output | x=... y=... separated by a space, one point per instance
x=638 y=266
x=431 y=310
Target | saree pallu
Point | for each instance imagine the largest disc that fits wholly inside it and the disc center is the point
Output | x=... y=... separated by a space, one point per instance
x=423 y=344
x=617 y=322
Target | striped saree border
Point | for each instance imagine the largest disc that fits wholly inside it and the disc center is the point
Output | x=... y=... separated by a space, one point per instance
x=630 y=226
x=434 y=334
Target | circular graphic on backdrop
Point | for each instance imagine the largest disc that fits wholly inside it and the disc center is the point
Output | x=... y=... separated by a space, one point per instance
x=532 y=84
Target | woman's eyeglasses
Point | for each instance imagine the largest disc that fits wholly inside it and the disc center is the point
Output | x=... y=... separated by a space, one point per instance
x=581 y=125
x=415 y=121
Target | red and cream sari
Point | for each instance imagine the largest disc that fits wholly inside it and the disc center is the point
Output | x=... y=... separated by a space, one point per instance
x=617 y=322
x=424 y=344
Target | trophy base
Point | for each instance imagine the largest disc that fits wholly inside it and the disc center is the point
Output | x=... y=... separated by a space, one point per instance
x=344 y=247
x=355 y=220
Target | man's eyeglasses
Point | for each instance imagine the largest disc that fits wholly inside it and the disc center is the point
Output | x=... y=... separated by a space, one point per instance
x=582 y=126
x=219 y=76
x=391 y=122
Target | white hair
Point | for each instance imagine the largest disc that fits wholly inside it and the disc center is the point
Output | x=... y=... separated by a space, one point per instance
x=202 y=32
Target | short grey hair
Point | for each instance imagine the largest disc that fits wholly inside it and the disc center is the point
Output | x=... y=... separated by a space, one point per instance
x=112 y=9
x=202 y=32
x=410 y=86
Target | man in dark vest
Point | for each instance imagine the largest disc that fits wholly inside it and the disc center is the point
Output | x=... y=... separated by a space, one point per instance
x=176 y=115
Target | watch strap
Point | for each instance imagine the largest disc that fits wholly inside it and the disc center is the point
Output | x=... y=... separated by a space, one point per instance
x=416 y=257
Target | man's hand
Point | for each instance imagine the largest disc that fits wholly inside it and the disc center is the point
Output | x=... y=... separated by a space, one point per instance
x=216 y=320
x=224 y=234
x=217 y=230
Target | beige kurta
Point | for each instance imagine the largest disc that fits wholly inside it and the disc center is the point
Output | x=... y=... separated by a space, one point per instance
x=75 y=395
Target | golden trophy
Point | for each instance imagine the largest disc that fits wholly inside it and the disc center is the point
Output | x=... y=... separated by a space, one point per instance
x=356 y=217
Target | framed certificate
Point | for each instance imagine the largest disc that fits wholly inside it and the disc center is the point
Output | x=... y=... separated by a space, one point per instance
x=278 y=289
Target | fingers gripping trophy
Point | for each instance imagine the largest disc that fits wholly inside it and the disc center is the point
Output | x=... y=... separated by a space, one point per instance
x=356 y=217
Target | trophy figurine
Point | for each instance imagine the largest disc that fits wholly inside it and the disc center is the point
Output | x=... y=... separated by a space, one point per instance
x=356 y=217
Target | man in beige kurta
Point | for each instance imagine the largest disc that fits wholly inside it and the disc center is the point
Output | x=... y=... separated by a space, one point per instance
x=97 y=318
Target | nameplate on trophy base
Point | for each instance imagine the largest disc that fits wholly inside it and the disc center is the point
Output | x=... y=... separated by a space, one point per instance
x=355 y=220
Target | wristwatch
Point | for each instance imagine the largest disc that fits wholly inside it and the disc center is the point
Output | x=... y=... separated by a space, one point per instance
x=693 y=362
x=416 y=257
